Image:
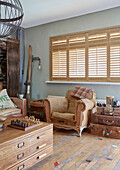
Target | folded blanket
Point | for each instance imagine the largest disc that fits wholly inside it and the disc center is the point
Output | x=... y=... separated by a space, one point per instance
x=10 y=111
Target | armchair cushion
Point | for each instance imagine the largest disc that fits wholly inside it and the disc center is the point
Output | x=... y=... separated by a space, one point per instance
x=68 y=116
x=82 y=92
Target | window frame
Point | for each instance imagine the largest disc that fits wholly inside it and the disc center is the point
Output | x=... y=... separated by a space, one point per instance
x=106 y=40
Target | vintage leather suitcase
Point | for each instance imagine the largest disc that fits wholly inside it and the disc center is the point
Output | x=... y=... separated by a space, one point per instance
x=105 y=120
x=115 y=110
x=106 y=131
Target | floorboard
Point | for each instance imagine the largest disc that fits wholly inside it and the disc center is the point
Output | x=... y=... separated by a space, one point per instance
x=87 y=152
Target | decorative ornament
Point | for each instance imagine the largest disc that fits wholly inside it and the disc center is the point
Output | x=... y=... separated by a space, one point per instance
x=11 y=14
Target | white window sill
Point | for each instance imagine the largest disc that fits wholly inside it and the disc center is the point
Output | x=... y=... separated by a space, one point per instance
x=73 y=82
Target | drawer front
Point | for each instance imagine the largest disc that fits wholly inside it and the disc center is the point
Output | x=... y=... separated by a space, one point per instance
x=19 y=145
x=106 y=120
x=23 y=154
x=33 y=159
x=103 y=130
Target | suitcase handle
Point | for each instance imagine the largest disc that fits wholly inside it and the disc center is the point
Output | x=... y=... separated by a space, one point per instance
x=108 y=122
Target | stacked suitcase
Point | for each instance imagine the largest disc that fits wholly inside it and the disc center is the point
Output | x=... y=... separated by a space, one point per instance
x=106 y=124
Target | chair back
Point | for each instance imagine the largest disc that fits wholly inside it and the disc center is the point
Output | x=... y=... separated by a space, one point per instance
x=72 y=99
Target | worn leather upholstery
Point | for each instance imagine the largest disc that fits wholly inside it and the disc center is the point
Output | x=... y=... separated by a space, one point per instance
x=70 y=112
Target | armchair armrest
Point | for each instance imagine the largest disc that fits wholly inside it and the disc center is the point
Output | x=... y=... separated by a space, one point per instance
x=57 y=104
x=86 y=104
x=84 y=108
x=21 y=104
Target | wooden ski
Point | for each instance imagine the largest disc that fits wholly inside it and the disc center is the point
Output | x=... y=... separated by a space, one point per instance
x=28 y=79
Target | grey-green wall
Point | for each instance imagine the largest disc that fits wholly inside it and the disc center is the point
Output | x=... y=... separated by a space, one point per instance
x=38 y=37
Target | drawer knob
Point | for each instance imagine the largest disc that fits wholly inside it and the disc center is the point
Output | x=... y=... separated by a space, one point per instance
x=20 y=156
x=20 y=145
x=21 y=167
x=39 y=157
x=38 y=147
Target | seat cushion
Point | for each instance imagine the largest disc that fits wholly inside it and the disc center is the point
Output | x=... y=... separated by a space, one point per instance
x=68 y=116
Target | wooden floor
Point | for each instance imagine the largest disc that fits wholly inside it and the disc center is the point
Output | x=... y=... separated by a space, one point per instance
x=88 y=152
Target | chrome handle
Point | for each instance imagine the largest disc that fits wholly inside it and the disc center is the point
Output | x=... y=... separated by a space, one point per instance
x=39 y=157
x=20 y=156
x=39 y=147
x=21 y=167
x=20 y=145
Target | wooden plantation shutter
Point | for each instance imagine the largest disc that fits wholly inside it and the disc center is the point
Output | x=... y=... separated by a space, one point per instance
x=76 y=49
x=97 y=62
x=97 y=56
x=115 y=35
x=59 y=42
x=58 y=58
x=77 y=40
x=97 y=37
x=115 y=55
x=59 y=64
x=77 y=63
x=115 y=61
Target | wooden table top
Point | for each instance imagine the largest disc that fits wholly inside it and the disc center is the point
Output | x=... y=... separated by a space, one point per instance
x=9 y=133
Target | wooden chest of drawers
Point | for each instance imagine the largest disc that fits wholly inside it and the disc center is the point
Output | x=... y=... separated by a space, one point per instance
x=22 y=149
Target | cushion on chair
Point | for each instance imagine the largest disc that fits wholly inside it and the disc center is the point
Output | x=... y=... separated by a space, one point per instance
x=69 y=116
x=82 y=92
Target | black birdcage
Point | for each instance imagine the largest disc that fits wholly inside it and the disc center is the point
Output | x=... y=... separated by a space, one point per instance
x=11 y=14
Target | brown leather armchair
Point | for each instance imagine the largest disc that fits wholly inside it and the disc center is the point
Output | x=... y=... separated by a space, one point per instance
x=70 y=112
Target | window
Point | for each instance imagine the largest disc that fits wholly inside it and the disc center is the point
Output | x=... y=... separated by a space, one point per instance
x=59 y=63
x=77 y=62
x=97 y=61
x=86 y=56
